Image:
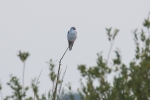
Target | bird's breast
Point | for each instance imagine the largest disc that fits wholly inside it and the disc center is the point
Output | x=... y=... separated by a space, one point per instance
x=72 y=37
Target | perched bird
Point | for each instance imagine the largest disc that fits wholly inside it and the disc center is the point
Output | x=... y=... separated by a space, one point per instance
x=72 y=35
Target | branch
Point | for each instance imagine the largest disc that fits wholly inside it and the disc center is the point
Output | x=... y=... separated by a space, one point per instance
x=37 y=81
x=62 y=81
x=148 y=20
x=109 y=52
x=55 y=91
x=23 y=78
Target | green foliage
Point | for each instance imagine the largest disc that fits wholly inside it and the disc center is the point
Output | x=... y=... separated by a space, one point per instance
x=52 y=74
x=16 y=88
x=60 y=94
x=147 y=22
x=111 y=36
x=94 y=74
x=130 y=83
x=35 y=89
x=23 y=56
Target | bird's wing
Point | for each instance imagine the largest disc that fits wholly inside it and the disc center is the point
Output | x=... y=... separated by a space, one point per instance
x=68 y=36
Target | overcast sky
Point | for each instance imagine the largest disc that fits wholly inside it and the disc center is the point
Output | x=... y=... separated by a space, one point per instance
x=40 y=27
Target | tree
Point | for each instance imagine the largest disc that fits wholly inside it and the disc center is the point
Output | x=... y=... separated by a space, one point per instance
x=130 y=83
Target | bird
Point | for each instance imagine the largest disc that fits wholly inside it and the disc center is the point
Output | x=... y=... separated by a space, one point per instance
x=71 y=36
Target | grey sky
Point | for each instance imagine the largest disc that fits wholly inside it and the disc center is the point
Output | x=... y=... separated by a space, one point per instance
x=40 y=27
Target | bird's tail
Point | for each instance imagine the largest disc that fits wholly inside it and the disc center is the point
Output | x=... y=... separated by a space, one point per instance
x=70 y=46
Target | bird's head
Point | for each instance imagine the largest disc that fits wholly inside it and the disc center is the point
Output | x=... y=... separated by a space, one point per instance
x=73 y=28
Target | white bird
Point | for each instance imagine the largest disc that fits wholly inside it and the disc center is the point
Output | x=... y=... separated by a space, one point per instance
x=72 y=35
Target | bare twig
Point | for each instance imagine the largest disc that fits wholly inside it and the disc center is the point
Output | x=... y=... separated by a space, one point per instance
x=53 y=86
x=111 y=39
x=109 y=52
x=57 y=81
x=45 y=93
x=23 y=78
x=148 y=20
x=37 y=81
x=62 y=80
x=39 y=76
